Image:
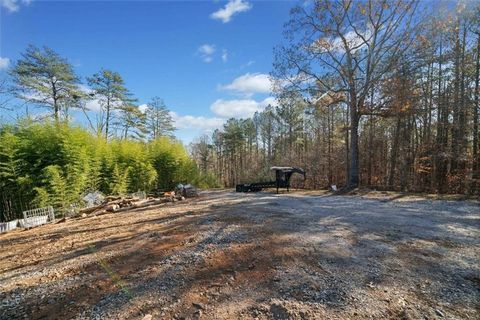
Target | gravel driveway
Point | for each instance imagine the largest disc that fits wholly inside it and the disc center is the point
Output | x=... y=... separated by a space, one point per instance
x=227 y=255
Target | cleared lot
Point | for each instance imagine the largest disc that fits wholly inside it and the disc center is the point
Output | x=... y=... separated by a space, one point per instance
x=228 y=255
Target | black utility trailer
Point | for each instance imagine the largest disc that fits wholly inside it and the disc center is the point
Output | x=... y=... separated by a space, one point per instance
x=282 y=180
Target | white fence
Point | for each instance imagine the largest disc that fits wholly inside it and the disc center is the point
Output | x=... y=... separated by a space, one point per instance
x=7 y=226
x=39 y=216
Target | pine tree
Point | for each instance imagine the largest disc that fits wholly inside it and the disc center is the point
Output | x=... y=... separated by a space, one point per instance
x=44 y=78
x=158 y=118
x=109 y=88
x=131 y=122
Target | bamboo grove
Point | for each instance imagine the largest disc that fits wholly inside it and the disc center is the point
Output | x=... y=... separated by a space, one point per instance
x=56 y=164
x=382 y=94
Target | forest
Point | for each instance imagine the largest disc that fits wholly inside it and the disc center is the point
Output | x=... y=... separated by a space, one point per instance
x=382 y=94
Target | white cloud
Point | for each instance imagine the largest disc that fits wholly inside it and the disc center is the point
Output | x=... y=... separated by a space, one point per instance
x=232 y=7
x=224 y=55
x=143 y=107
x=223 y=109
x=207 y=51
x=90 y=104
x=4 y=63
x=13 y=5
x=196 y=123
x=10 y=5
x=354 y=42
x=246 y=65
x=243 y=108
x=269 y=101
x=93 y=105
x=250 y=83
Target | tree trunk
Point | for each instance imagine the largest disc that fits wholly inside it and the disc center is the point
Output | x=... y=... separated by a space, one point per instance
x=107 y=120
x=455 y=148
x=476 y=160
x=394 y=153
x=347 y=148
x=462 y=132
x=329 y=136
x=370 y=143
x=56 y=108
x=353 y=174
x=371 y=129
x=440 y=165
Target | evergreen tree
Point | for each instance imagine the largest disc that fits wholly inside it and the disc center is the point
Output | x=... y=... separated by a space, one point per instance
x=159 y=121
x=43 y=77
x=131 y=122
x=109 y=88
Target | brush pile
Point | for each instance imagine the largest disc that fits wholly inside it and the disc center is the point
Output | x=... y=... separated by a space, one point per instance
x=120 y=203
x=186 y=190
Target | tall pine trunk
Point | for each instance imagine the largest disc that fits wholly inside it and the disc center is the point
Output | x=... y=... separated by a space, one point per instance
x=476 y=160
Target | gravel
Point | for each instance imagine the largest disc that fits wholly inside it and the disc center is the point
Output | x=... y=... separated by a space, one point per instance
x=228 y=255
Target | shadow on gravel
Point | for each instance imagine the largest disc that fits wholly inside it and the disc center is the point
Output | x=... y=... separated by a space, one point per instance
x=328 y=251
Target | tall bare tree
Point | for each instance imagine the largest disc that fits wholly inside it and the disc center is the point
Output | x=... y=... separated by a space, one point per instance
x=355 y=43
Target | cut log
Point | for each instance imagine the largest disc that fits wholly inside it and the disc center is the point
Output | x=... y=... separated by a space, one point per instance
x=119 y=204
x=111 y=207
x=91 y=209
x=111 y=198
x=100 y=212
x=61 y=220
x=143 y=204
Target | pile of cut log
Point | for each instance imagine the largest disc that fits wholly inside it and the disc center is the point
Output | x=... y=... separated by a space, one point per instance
x=119 y=203
x=186 y=190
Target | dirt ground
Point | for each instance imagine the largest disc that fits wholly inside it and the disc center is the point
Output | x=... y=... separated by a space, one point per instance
x=225 y=255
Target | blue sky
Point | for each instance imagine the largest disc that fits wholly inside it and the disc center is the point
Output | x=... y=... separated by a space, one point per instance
x=208 y=60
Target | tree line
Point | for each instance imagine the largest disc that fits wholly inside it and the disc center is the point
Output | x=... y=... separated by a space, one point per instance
x=48 y=160
x=43 y=78
x=370 y=93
